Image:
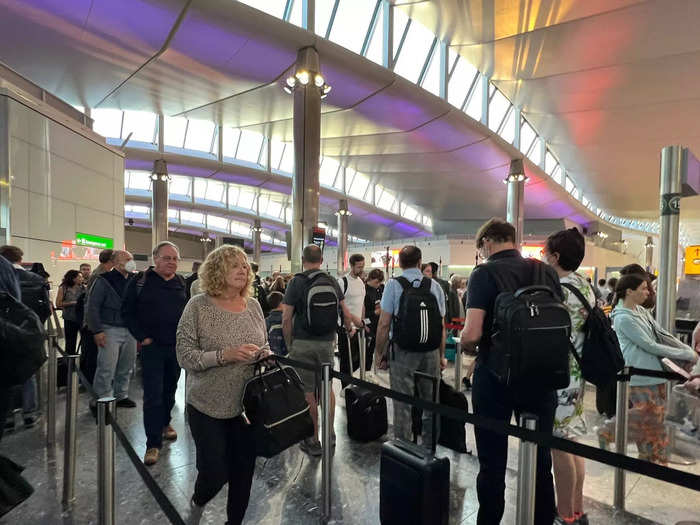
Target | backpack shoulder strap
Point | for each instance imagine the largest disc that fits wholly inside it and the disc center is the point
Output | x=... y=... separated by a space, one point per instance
x=345 y=284
x=313 y=275
x=405 y=283
x=426 y=283
x=140 y=282
x=578 y=295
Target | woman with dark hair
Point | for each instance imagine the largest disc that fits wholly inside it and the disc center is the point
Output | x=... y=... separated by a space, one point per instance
x=634 y=268
x=69 y=292
x=639 y=336
x=278 y=286
x=564 y=252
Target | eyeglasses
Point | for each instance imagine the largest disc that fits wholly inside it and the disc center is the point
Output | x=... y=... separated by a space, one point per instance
x=169 y=259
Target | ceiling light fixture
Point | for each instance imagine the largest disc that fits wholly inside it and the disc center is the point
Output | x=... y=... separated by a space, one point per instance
x=306 y=71
x=516 y=172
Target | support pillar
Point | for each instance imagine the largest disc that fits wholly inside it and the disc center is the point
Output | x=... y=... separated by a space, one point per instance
x=388 y=34
x=4 y=170
x=257 y=243
x=515 y=200
x=159 y=202
x=673 y=165
x=649 y=254
x=307 y=152
x=343 y=214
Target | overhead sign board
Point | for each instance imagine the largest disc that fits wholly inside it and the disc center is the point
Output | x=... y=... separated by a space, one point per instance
x=94 y=241
x=692 y=260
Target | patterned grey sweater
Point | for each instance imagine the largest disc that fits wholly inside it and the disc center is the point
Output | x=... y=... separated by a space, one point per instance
x=203 y=329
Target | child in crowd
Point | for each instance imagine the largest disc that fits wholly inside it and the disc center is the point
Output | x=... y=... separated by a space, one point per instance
x=274 y=324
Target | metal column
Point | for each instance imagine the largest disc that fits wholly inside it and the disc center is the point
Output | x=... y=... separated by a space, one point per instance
x=105 y=460
x=326 y=441
x=515 y=200
x=649 y=254
x=527 y=475
x=159 y=207
x=257 y=243
x=5 y=185
x=673 y=165
x=388 y=34
x=342 y=253
x=621 y=412
x=52 y=366
x=307 y=151
x=70 y=431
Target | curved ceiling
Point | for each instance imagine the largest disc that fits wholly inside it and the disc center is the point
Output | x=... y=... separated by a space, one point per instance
x=223 y=61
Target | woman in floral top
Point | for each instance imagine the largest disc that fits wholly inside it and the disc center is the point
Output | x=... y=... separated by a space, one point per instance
x=564 y=252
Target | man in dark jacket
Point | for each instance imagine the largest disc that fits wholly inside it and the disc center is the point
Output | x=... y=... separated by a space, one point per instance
x=10 y=285
x=117 y=348
x=153 y=303
x=259 y=291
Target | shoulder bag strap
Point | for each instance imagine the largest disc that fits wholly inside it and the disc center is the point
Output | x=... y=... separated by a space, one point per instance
x=579 y=296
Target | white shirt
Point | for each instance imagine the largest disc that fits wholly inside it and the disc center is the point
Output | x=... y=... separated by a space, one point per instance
x=354 y=295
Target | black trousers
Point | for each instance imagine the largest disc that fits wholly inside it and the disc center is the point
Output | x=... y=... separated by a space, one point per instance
x=225 y=454
x=88 y=354
x=161 y=372
x=492 y=399
x=348 y=365
x=71 y=330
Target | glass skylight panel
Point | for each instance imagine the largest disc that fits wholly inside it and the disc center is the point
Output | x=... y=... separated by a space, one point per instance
x=474 y=108
x=535 y=154
x=431 y=81
x=576 y=193
x=414 y=51
x=351 y=23
x=233 y=192
x=460 y=81
x=141 y=124
x=527 y=136
x=174 y=132
x=107 y=122
x=138 y=180
x=427 y=221
x=266 y=237
x=288 y=214
x=231 y=136
x=375 y=49
x=557 y=174
x=324 y=8
x=400 y=21
x=215 y=191
x=549 y=163
x=287 y=164
x=192 y=217
x=328 y=171
x=246 y=199
x=276 y=151
x=132 y=210
x=274 y=208
x=498 y=107
x=385 y=199
x=409 y=213
x=507 y=132
x=358 y=186
x=295 y=17
x=217 y=223
x=271 y=7
x=199 y=135
x=173 y=215
x=180 y=185
x=249 y=146
x=200 y=188
x=569 y=184
x=241 y=228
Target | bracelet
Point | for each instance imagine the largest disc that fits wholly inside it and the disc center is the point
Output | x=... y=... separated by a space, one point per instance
x=220 y=357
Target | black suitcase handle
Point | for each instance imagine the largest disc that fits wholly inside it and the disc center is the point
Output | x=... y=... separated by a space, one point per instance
x=434 y=380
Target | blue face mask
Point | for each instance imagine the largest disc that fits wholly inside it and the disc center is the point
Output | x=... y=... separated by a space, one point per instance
x=130 y=266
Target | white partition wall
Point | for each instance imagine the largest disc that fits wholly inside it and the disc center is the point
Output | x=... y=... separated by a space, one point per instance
x=64 y=181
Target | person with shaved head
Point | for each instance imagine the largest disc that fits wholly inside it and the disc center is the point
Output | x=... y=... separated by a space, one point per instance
x=116 y=346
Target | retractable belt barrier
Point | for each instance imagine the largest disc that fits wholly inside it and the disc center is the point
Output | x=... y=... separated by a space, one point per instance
x=613 y=459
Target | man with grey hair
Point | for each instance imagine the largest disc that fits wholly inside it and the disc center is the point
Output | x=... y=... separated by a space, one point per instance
x=153 y=303
x=116 y=347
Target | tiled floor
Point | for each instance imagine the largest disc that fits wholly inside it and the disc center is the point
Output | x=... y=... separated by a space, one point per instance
x=286 y=489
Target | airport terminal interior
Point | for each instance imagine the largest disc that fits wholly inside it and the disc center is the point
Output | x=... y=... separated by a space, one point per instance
x=365 y=128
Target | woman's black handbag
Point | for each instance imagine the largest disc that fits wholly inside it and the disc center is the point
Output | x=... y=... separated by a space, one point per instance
x=275 y=407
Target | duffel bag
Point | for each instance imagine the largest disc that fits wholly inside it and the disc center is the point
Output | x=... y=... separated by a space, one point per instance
x=275 y=407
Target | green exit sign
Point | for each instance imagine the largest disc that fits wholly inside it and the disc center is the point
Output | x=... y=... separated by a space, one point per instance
x=94 y=241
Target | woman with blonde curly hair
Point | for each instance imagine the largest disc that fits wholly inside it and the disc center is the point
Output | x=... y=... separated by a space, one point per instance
x=220 y=334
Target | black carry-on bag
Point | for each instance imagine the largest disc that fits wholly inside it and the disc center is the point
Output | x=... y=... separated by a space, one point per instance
x=414 y=485
x=366 y=411
x=275 y=407
x=453 y=433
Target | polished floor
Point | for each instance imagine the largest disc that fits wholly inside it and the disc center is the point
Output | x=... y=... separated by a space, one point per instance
x=286 y=489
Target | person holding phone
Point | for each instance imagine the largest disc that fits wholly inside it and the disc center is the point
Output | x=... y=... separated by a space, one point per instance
x=220 y=335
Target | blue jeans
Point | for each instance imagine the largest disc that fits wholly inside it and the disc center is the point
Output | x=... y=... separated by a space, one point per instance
x=29 y=403
x=494 y=400
x=115 y=361
x=161 y=373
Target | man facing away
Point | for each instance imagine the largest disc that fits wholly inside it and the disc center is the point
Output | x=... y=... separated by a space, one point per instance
x=353 y=288
x=308 y=347
x=116 y=346
x=403 y=362
x=495 y=242
x=152 y=307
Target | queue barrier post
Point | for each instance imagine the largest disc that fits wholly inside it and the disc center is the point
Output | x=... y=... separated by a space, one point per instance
x=105 y=460
x=362 y=346
x=458 y=367
x=621 y=421
x=527 y=474
x=52 y=369
x=326 y=441
x=69 y=447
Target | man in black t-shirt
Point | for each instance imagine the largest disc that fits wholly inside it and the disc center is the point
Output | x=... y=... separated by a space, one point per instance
x=495 y=243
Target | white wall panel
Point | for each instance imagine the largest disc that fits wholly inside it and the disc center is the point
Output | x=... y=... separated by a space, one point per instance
x=19 y=163
x=19 y=212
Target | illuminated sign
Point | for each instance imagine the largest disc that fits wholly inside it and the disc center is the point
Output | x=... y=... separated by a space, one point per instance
x=318 y=237
x=94 y=241
x=379 y=259
x=692 y=260
x=532 y=251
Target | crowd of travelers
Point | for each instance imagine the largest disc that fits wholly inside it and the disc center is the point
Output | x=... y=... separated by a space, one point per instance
x=222 y=318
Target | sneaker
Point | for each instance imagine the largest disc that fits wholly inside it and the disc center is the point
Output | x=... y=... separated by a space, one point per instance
x=195 y=513
x=126 y=403
x=311 y=446
x=10 y=423
x=30 y=420
x=169 y=433
x=151 y=457
x=582 y=519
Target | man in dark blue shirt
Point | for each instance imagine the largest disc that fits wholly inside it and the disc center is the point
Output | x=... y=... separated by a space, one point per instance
x=495 y=243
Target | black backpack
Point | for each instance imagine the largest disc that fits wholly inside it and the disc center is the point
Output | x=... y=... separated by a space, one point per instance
x=531 y=334
x=601 y=358
x=35 y=294
x=22 y=340
x=320 y=303
x=418 y=325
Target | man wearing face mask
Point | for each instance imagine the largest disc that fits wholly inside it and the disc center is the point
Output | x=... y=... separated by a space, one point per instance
x=116 y=346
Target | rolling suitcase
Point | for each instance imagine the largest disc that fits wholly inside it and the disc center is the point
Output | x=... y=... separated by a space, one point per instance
x=366 y=411
x=414 y=485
